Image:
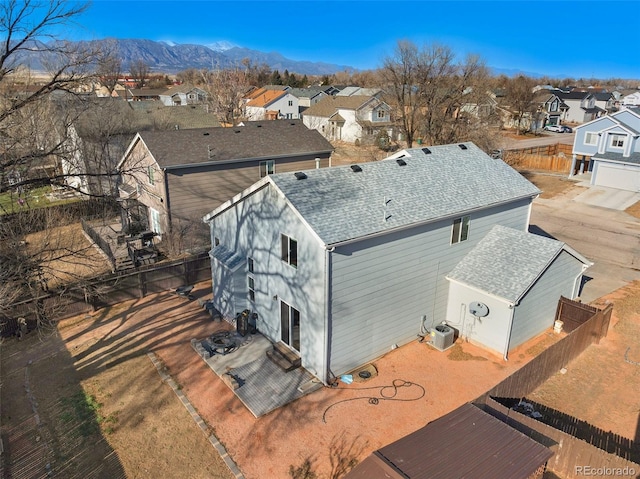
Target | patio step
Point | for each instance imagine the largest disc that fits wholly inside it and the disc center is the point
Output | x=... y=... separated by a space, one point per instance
x=284 y=357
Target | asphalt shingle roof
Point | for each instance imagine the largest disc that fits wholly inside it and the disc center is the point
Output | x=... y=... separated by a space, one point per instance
x=277 y=138
x=633 y=158
x=330 y=104
x=341 y=205
x=506 y=262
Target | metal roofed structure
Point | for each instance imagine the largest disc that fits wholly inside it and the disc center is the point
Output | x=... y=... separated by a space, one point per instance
x=466 y=443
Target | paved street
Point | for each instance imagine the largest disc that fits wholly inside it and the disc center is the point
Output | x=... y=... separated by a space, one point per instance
x=546 y=138
x=608 y=237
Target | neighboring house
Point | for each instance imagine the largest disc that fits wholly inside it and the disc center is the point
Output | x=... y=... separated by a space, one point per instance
x=550 y=107
x=480 y=106
x=101 y=132
x=359 y=91
x=171 y=179
x=633 y=99
x=581 y=106
x=308 y=96
x=466 y=443
x=613 y=147
x=346 y=263
x=183 y=95
x=144 y=94
x=350 y=118
x=266 y=104
x=605 y=101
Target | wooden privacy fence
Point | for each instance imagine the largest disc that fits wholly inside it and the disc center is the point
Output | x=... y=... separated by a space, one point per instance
x=589 y=325
x=571 y=454
x=555 y=158
x=558 y=355
x=107 y=291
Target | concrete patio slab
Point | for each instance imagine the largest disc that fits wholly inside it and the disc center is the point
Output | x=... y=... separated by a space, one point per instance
x=610 y=198
x=263 y=386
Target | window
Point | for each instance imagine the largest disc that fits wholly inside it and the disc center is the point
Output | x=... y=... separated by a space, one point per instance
x=252 y=289
x=250 y=265
x=290 y=102
x=150 y=173
x=382 y=114
x=460 y=230
x=216 y=241
x=290 y=325
x=591 y=138
x=267 y=168
x=289 y=250
x=554 y=105
x=155 y=220
x=617 y=141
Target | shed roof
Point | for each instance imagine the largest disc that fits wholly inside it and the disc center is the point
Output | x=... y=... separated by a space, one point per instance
x=633 y=158
x=466 y=443
x=342 y=205
x=507 y=262
x=256 y=140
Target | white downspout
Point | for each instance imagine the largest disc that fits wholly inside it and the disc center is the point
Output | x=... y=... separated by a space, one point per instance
x=506 y=346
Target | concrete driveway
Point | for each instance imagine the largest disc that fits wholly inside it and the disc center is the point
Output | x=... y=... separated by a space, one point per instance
x=593 y=222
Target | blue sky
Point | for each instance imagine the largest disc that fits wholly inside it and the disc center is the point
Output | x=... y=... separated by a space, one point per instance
x=578 y=39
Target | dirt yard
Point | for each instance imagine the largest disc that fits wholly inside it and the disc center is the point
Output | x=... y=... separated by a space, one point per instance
x=104 y=409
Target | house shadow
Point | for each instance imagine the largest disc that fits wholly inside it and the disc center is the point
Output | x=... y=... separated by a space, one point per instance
x=536 y=230
x=608 y=441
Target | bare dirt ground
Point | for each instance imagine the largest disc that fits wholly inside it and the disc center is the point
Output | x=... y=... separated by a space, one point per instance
x=101 y=368
x=601 y=386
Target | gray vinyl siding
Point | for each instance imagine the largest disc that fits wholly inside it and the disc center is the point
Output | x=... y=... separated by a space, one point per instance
x=581 y=134
x=252 y=228
x=383 y=287
x=194 y=192
x=537 y=309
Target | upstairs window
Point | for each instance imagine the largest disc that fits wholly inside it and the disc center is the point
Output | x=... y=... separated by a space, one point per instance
x=150 y=175
x=591 y=138
x=250 y=265
x=617 y=141
x=382 y=114
x=267 y=168
x=289 y=250
x=290 y=102
x=554 y=105
x=460 y=230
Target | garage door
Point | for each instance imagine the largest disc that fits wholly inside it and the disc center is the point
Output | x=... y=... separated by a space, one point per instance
x=623 y=177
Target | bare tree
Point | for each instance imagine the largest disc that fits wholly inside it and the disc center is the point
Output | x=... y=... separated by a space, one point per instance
x=520 y=100
x=109 y=68
x=36 y=69
x=225 y=91
x=139 y=70
x=430 y=92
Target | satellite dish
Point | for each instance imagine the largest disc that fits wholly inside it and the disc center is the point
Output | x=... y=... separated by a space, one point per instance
x=478 y=309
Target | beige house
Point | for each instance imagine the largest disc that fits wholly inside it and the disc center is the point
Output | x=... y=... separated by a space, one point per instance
x=171 y=179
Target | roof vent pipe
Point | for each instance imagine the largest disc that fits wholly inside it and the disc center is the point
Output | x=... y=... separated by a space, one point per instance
x=356 y=168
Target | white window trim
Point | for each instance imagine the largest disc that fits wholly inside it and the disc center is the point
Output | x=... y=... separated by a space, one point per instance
x=462 y=233
x=593 y=135
x=616 y=136
x=266 y=163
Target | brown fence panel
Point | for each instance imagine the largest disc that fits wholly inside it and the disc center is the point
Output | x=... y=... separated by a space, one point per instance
x=109 y=290
x=570 y=453
x=539 y=369
x=573 y=313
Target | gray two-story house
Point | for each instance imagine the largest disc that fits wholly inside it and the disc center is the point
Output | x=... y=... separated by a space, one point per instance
x=344 y=264
x=609 y=148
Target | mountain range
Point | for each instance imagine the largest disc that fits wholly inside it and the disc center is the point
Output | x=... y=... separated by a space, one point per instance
x=168 y=57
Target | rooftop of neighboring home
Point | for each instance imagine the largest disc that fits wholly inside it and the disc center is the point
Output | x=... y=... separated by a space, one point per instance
x=131 y=117
x=330 y=104
x=308 y=92
x=264 y=97
x=256 y=140
x=350 y=202
x=358 y=91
